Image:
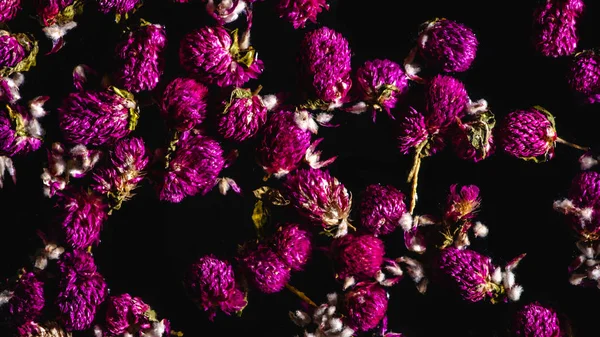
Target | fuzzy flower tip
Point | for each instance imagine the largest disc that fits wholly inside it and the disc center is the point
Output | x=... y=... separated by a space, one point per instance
x=528 y=134
x=535 y=320
x=11 y=51
x=97 y=117
x=381 y=209
x=120 y=7
x=82 y=215
x=447 y=99
x=293 y=245
x=283 y=143
x=265 y=270
x=27 y=299
x=381 y=83
x=325 y=56
x=321 y=198
x=124 y=311
x=213 y=55
x=358 y=256
x=243 y=115
x=141 y=56
x=462 y=203
x=366 y=306
x=9 y=9
x=447 y=45
x=299 y=12
x=211 y=284
x=583 y=75
x=192 y=167
x=555 y=27
x=184 y=103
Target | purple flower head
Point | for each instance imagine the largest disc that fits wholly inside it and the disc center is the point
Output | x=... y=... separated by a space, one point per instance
x=265 y=270
x=583 y=75
x=462 y=203
x=119 y=7
x=293 y=245
x=78 y=261
x=81 y=216
x=211 y=284
x=17 y=51
x=213 y=55
x=447 y=45
x=366 y=305
x=124 y=312
x=141 y=57
x=184 y=103
x=321 y=198
x=414 y=133
x=27 y=299
x=555 y=27
x=381 y=82
x=283 y=143
x=535 y=320
x=325 y=58
x=243 y=115
x=528 y=134
x=358 y=256
x=299 y=12
x=48 y=329
x=11 y=51
x=447 y=99
x=54 y=11
x=98 y=117
x=473 y=139
x=9 y=9
x=585 y=197
x=192 y=168
x=381 y=209
x=20 y=131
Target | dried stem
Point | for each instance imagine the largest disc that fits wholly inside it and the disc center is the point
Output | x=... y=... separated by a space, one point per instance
x=300 y=294
x=575 y=146
x=413 y=176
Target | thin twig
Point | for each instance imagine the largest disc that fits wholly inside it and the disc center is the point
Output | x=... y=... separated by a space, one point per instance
x=575 y=146
x=300 y=294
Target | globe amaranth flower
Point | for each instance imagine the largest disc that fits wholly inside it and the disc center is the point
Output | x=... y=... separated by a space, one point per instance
x=582 y=206
x=320 y=198
x=293 y=245
x=555 y=27
x=48 y=329
x=98 y=117
x=184 y=103
x=381 y=209
x=358 y=256
x=265 y=270
x=325 y=58
x=536 y=320
x=192 y=167
x=473 y=138
x=141 y=57
x=77 y=261
x=27 y=300
x=447 y=45
x=446 y=99
x=243 y=115
x=119 y=7
x=365 y=305
x=462 y=203
x=583 y=75
x=299 y=12
x=124 y=313
x=18 y=53
x=58 y=12
x=11 y=51
x=20 y=130
x=211 y=284
x=81 y=217
x=215 y=56
x=9 y=9
x=283 y=143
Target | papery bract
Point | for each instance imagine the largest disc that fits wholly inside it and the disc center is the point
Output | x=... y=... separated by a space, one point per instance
x=265 y=270
x=299 y=12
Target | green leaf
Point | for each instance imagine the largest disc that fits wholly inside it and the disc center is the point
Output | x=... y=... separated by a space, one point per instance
x=237 y=93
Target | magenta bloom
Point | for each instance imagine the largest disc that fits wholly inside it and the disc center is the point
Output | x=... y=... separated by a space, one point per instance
x=414 y=133
x=51 y=11
x=535 y=320
x=120 y=7
x=79 y=262
x=320 y=198
x=9 y=9
x=243 y=115
x=11 y=51
x=462 y=204
x=184 y=103
x=265 y=270
x=213 y=55
x=448 y=45
x=20 y=132
x=447 y=99
x=528 y=134
x=97 y=117
x=585 y=195
x=141 y=57
x=193 y=167
x=211 y=284
x=82 y=215
x=381 y=208
x=358 y=256
x=325 y=57
x=366 y=305
x=381 y=82
x=18 y=52
x=283 y=143
x=555 y=27
x=298 y=12
x=583 y=75
x=124 y=311
x=293 y=245
x=27 y=299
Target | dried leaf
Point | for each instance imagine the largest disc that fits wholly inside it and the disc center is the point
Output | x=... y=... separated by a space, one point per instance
x=260 y=217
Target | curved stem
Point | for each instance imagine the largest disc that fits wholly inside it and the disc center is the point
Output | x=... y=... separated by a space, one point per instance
x=415 y=182
x=575 y=146
x=300 y=294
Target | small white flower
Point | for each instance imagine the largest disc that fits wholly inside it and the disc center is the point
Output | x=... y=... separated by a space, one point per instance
x=594 y=273
x=508 y=279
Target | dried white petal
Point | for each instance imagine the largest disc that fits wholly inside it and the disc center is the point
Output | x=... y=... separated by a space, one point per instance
x=348 y=282
x=587 y=162
x=514 y=293
x=594 y=273
x=480 y=230
x=406 y=221
x=270 y=101
x=497 y=276
x=508 y=279
x=576 y=279
x=5 y=296
x=300 y=318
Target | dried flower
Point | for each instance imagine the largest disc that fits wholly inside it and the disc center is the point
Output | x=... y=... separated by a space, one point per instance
x=57 y=17
x=123 y=312
x=326 y=320
x=211 y=284
x=293 y=245
x=473 y=138
x=9 y=9
x=265 y=270
x=358 y=256
x=97 y=117
x=243 y=115
x=299 y=12
x=11 y=51
x=184 y=103
x=78 y=261
x=213 y=55
x=447 y=45
x=366 y=306
x=583 y=205
x=82 y=215
x=226 y=11
x=446 y=99
x=535 y=320
x=381 y=209
x=583 y=75
x=49 y=329
x=20 y=131
x=27 y=300
x=18 y=52
x=462 y=204
x=554 y=25
x=119 y=7
x=141 y=57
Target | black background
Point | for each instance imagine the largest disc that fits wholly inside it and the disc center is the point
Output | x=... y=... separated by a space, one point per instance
x=147 y=245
